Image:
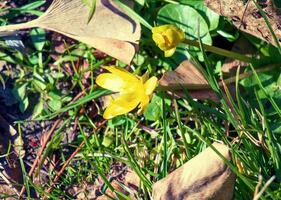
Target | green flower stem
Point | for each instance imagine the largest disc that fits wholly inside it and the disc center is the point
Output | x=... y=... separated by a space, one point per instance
x=220 y=51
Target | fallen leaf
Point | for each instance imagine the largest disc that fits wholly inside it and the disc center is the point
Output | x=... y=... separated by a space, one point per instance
x=188 y=78
x=6 y=191
x=132 y=180
x=111 y=30
x=116 y=187
x=242 y=46
x=8 y=135
x=246 y=17
x=11 y=133
x=185 y=76
x=204 y=177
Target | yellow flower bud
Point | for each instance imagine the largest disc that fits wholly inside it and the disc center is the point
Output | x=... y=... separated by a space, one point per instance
x=167 y=37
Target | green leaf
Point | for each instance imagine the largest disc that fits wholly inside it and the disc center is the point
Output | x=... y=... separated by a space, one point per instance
x=230 y=37
x=92 y=6
x=153 y=111
x=107 y=140
x=24 y=104
x=276 y=127
x=40 y=84
x=38 y=109
x=55 y=94
x=140 y=2
x=29 y=8
x=38 y=38
x=210 y=16
x=19 y=92
x=56 y=100
x=55 y=104
x=188 y=19
x=33 y=5
x=6 y=57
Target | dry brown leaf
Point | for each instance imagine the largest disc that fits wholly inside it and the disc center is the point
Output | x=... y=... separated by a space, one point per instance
x=188 y=77
x=11 y=133
x=8 y=135
x=111 y=30
x=242 y=46
x=131 y=180
x=117 y=188
x=246 y=17
x=6 y=190
x=205 y=176
x=185 y=76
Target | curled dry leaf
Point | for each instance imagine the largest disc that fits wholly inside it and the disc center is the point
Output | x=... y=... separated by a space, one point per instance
x=111 y=30
x=116 y=187
x=187 y=77
x=242 y=46
x=246 y=17
x=131 y=181
x=205 y=176
x=5 y=190
x=8 y=135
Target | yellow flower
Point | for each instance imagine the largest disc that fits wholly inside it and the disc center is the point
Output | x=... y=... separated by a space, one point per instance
x=132 y=91
x=167 y=37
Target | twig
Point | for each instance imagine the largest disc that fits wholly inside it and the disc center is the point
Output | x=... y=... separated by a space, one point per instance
x=71 y=157
x=257 y=196
x=45 y=141
x=258 y=185
x=36 y=161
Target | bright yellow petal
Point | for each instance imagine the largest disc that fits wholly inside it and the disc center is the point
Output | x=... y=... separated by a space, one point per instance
x=158 y=38
x=181 y=35
x=161 y=29
x=143 y=104
x=111 y=82
x=167 y=37
x=123 y=104
x=150 y=85
x=170 y=52
x=124 y=74
x=173 y=37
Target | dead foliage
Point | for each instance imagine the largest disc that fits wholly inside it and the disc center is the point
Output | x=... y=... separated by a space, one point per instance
x=246 y=17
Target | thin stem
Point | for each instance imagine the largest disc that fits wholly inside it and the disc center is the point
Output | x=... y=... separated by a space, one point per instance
x=165 y=146
x=220 y=51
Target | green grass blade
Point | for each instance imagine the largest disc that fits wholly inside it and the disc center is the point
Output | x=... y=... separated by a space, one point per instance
x=272 y=101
